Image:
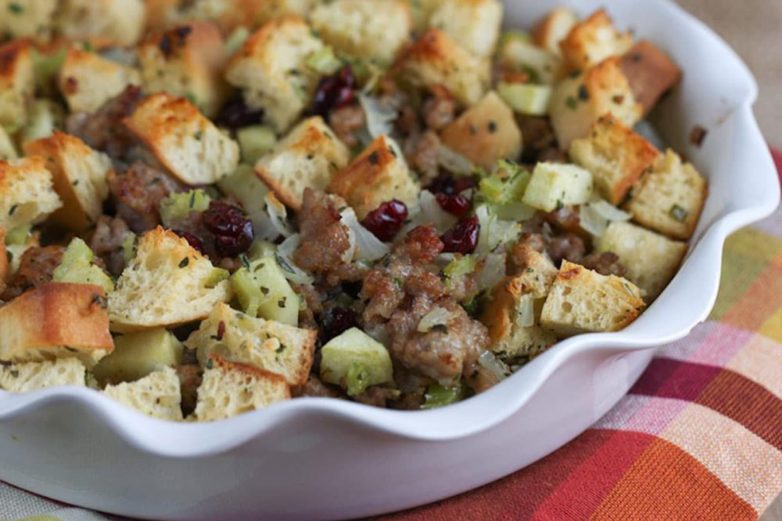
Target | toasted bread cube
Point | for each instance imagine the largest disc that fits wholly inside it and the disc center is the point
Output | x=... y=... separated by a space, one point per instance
x=507 y=337
x=79 y=176
x=669 y=199
x=272 y=73
x=186 y=61
x=308 y=157
x=536 y=272
x=87 y=80
x=56 y=320
x=373 y=30
x=17 y=84
x=592 y=41
x=190 y=146
x=615 y=155
x=436 y=59
x=167 y=283
x=103 y=22
x=377 y=175
x=583 y=301
x=651 y=259
x=554 y=185
x=275 y=347
x=31 y=376
x=158 y=395
x=229 y=389
x=475 y=24
x=651 y=73
x=26 y=192
x=485 y=133
x=553 y=28
x=579 y=101
x=274 y=9
x=27 y=18
x=227 y=14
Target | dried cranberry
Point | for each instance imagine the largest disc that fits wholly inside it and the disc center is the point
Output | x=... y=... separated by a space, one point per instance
x=334 y=92
x=457 y=205
x=232 y=230
x=336 y=321
x=194 y=241
x=235 y=114
x=462 y=238
x=447 y=184
x=386 y=220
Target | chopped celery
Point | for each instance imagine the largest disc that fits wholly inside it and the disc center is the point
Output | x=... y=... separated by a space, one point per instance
x=439 y=395
x=541 y=65
x=506 y=185
x=255 y=142
x=245 y=185
x=18 y=235
x=324 y=61
x=47 y=66
x=180 y=205
x=138 y=354
x=235 y=40
x=525 y=98
x=77 y=267
x=45 y=116
x=263 y=291
x=463 y=265
x=129 y=247
x=356 y=361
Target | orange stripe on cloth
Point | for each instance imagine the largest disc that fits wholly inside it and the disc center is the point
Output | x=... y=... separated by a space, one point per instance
x=666 y=483
x=760 y=301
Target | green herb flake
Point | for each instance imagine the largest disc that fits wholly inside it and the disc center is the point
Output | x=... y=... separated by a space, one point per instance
x=15 y=8
x=679 y=213
x=184 y=262
x=571 y=103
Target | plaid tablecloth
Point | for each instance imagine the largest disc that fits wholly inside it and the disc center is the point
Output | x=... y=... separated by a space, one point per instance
x=699 y=436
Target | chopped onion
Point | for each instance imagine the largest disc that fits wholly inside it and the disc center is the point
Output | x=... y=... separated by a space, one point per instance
x=494 y=232
x=367 y=247
x=453 y=161
x=428 y=212
x=437 y=317
x=379 y=117
x=609 y=211
x=491 y=272
x=595 y=216
x=284 y=258
x=494 y=365
x=525 y=311
x=278 y=215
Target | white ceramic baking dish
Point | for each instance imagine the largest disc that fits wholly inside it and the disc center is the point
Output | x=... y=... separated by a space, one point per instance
x=327 y=459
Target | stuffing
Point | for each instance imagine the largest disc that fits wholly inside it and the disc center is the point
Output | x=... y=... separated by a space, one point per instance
x=87 y=80
x=27 y=195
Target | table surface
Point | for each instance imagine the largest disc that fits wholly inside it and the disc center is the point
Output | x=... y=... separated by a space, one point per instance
x=752 y=28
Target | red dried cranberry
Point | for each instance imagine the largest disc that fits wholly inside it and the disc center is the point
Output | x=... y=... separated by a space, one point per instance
x=447 y=184
x=336 y=321
x=462 y=238
x=457 y=205
x=386 y=220
x=191 y=239
x=235 y=114
x=232 y=230
x=334 y=92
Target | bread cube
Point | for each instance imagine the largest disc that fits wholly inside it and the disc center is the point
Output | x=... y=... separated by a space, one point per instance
x=534 y=271
x=17 y=84
x=475 y=24
x=421 y=11
x=541 y=65
x=87 y=80
x=579 y=101
x=669 y=199
x=554 y=185
x=436 y=59
x=274 y=9
x=650 y=72
x=27 y=195
x=485 y=133
x=308 y=157
x=377 y=175
x=56 y=320
x=275 y=347
x=79 y=178
x=513 y=333
x=158 y=395
x=186 y=61
x=271 y=70
x=593 y=40
x=373 y=30
x=27 y=18
x=615 y=155
x=651 y=259
x=31 y=376
x=229 y=389
x=553 y=28
x=226 y=14
x=583 y=301
x=167 y=283
x=105 y=23
x=190 y=146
